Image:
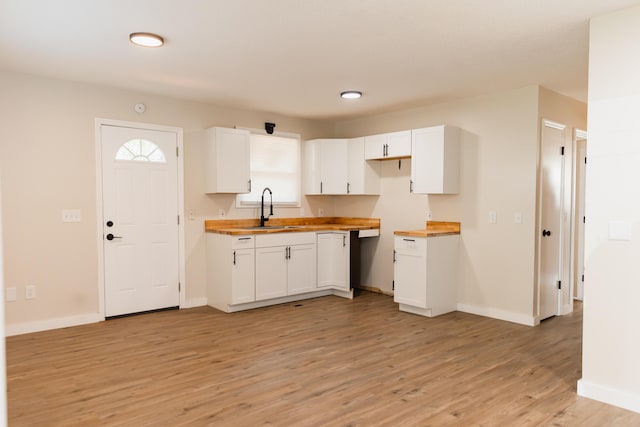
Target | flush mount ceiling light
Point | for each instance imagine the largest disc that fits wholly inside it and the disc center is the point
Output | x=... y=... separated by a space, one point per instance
x=351 y=94
x=146 y=39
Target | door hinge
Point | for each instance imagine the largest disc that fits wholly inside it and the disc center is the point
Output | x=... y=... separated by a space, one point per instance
x=559 y=284
x=585 y=160
x=178 y=219
x=562 y=151
x=583 y=277
x=179 y=287
x=177 y=152
x=584 y=219
x=393 y=285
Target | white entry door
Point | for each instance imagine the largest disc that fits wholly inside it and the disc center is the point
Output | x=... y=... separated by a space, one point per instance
x=551 y=232
x=140 y=211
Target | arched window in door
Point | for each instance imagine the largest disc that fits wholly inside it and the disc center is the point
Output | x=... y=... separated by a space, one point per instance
x=140 y=150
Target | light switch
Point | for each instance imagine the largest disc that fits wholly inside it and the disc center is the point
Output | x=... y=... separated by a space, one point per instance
x=493 y=217
x=71 y=215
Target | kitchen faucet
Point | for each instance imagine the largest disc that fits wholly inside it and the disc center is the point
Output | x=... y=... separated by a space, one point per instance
x=262 y=218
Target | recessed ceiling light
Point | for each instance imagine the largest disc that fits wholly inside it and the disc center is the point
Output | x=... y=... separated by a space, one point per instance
x=351 y=94
x=146 y=39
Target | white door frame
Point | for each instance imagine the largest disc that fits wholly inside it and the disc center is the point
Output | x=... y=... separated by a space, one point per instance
x=99 y=205
x=578 y=135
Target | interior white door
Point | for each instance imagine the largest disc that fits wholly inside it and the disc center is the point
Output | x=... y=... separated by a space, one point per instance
x=551 y=233
x=140 y=211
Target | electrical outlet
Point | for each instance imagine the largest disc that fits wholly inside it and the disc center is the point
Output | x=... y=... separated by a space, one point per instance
x=30 y=292
x=517 y=217
x=221 y=213
x=493 y=217
x=320 y=211
x=71 y=215
x=429 y=215
x=192 y=214
x=10 y=294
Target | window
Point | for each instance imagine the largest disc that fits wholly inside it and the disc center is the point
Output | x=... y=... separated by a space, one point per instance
x=140 y=150
x=275 y=163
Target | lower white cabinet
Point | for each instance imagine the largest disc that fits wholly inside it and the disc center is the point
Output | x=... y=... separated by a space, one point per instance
x=333 y=260
x=230 y=270
x=285 y=264
x=426 y=274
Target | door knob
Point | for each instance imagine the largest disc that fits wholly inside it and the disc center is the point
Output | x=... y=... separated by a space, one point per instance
x=111 y=237
x=109 y=223
x=546 y=233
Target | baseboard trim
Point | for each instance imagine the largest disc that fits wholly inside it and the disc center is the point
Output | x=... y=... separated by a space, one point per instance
x=609 y=395
x=495 y=313
x=194 y=302
x=48 y=324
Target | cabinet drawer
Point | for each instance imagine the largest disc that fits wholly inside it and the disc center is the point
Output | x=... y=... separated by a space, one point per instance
x=242 y=242
x=410 y=244
x=284 y=239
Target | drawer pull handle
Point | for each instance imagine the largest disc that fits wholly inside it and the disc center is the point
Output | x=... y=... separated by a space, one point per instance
x=244 y=238
x=409 y=240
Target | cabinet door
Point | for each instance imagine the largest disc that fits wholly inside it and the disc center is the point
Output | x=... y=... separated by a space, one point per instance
x=271 y=272
x=333 y=166
x=375 y=147
x=435 y=155
x=410 y=272
x=333 y=261
x=243 y=276
x=399 y=144
x=301 y=269
x=363 y=176
x=226 y=155
x=312 y=161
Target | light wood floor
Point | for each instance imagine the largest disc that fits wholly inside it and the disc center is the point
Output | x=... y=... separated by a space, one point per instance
x=322 y=362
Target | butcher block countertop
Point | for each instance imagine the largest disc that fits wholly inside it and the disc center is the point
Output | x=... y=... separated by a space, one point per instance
x=289 y=225
x=433 y=229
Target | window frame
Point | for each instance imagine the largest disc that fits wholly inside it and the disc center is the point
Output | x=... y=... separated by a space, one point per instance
x=254 y=204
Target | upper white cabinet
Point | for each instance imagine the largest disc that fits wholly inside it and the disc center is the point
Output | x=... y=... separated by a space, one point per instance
x=388 y=145
x=227 y=161
x=326 y=166
x=435 y=160
x=337 y=166
x=363 y=176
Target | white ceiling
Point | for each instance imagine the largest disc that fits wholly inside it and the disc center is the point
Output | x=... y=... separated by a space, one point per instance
x=295 y=56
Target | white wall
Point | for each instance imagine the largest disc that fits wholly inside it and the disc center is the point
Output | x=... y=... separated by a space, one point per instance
x=611 y=341
x=48 y=161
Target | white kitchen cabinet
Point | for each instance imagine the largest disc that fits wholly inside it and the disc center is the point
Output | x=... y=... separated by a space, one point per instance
x=338 y=166
x=333 y=260
x=392 y=145
x=363 y=176
x=326 y=166
x=227 y=161
x=425 y=273
x=435 y=160
x=285 y=264
x=230 y=270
